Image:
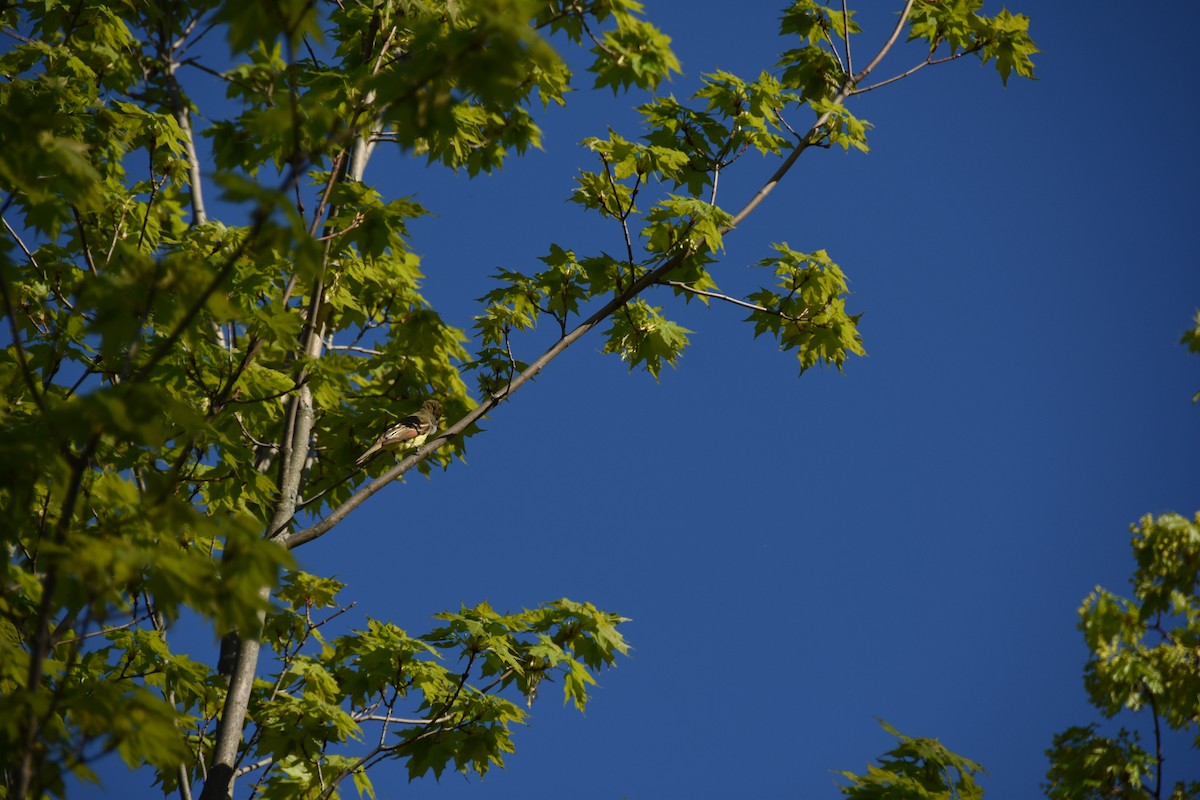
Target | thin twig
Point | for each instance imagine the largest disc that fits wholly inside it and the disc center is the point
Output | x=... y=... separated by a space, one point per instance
x=358 y=220
x=192 y=62
x=21 y=244
x=13 y=34
x=813 y=135
x=349 y=348
x=846 y=38
x=154 y=187
x=15 y=332
x=883 y=51
x=929 y=62
x=181 y=45
x=1158 y=753
x=112 y=628
x=733 y=300
x=833 y=48
x=388 y=718
x=599 y=44
x=83 y=241
x=262 y=762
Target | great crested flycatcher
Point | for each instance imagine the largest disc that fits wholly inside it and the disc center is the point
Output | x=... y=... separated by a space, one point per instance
x=407 y=434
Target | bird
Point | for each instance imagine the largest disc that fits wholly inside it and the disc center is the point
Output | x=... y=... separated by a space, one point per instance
x=407 y=434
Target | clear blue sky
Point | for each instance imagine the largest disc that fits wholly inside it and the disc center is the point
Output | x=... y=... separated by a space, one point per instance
x=910 y=540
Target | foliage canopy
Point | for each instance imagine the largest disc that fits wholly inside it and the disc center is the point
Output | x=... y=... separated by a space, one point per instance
x=184 y=397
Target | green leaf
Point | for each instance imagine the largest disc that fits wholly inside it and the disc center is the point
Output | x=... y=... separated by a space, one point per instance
x=815 y=23
x=641 y=336
x=843 y=128
x=247 y=24
x=1004 y=37
x=1008 y=42
x=808 y=312
x=634 y=54
x=685 y=221
x=813 y=70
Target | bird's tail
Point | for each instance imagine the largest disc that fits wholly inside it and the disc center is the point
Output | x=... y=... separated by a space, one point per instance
x=372 y=450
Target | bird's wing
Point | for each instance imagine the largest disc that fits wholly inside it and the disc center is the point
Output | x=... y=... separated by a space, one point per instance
x=408 y=428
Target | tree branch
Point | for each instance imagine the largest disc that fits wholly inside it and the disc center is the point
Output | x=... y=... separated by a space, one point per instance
x=846 y=37
x=813 y=135
x=15 y=332
x=183 y=118
x=656 y=275
x=1158 y=753
x=733 y=300
x=262 y=762
x=293 y=457
x=43 y=638
x=929 y=62
x=883 y=51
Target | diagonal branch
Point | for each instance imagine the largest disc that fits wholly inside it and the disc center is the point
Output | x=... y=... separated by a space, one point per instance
x=814 y=133
x=491 y=401
x=656 y=275
x=883 y=51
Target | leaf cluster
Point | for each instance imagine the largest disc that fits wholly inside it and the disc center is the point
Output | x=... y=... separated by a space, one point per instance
x=1191 y=338
x=920 y=769
x=446 y=700
x=1090 y=766
x=687 y=144
x=960 y=27
x=1142 y=659
x=806 y=311
x=1144 y=647
x=153 y=363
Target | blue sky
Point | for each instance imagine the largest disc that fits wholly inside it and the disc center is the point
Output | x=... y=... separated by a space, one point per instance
x=909 y=540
